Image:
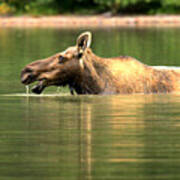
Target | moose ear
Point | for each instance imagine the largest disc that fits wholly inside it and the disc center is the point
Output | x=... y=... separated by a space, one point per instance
x=84 y=41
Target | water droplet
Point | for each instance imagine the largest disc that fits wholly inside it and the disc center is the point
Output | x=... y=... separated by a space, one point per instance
x=27 y=89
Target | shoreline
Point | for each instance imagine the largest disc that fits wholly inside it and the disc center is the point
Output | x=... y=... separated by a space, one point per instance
x=97 y=21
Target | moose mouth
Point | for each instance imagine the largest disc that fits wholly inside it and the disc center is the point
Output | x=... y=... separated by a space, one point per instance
x=28 y=78
x=39 y=87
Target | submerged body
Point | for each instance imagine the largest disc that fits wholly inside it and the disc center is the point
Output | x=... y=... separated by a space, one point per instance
x=85 y=73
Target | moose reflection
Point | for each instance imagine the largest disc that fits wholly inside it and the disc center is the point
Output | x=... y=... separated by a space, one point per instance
x=85 y=73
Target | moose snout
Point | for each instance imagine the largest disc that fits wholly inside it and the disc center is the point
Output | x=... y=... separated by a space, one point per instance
x=27 y=76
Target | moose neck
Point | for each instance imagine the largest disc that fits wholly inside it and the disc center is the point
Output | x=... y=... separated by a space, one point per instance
x=93 y=78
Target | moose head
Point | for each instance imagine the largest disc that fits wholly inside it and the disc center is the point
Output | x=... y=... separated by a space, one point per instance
x=60 y=69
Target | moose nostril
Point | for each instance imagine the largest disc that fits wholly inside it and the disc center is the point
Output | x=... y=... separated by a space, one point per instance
x=24 y=79
x=26 y=70
x=27 y=78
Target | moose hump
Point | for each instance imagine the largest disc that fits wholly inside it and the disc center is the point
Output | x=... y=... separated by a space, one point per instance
x=85 y=73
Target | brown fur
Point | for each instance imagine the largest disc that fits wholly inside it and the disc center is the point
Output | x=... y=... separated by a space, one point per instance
x=126 y=75
x=87 y=73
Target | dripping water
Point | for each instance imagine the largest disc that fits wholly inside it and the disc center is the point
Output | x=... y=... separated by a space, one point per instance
x=27 y=89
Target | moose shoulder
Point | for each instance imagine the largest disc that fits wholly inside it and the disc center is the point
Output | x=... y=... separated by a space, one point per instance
x=84 y=72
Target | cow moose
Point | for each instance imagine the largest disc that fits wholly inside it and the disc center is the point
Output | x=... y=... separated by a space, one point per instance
x=86 y=73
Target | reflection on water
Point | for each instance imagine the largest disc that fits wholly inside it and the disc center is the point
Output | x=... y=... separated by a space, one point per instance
x=90 y=137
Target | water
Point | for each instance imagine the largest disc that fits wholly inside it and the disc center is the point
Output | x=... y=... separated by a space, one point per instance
x=58 y=136
x=27 y=90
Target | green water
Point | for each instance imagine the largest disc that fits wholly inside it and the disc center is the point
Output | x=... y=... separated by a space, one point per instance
x=58 y=136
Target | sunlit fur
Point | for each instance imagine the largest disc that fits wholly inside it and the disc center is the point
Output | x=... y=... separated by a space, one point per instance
x=87 y=73
x=125 y=75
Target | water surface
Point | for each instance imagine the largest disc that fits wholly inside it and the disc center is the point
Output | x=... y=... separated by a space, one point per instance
x=57 y=136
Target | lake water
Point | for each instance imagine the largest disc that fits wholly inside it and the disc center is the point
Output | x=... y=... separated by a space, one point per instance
x=57 y=136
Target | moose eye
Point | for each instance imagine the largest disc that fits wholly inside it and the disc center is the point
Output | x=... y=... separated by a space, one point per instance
x=80 y=55
x=62 y=59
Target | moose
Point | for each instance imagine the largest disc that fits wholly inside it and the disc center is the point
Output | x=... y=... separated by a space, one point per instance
x=86 y=73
